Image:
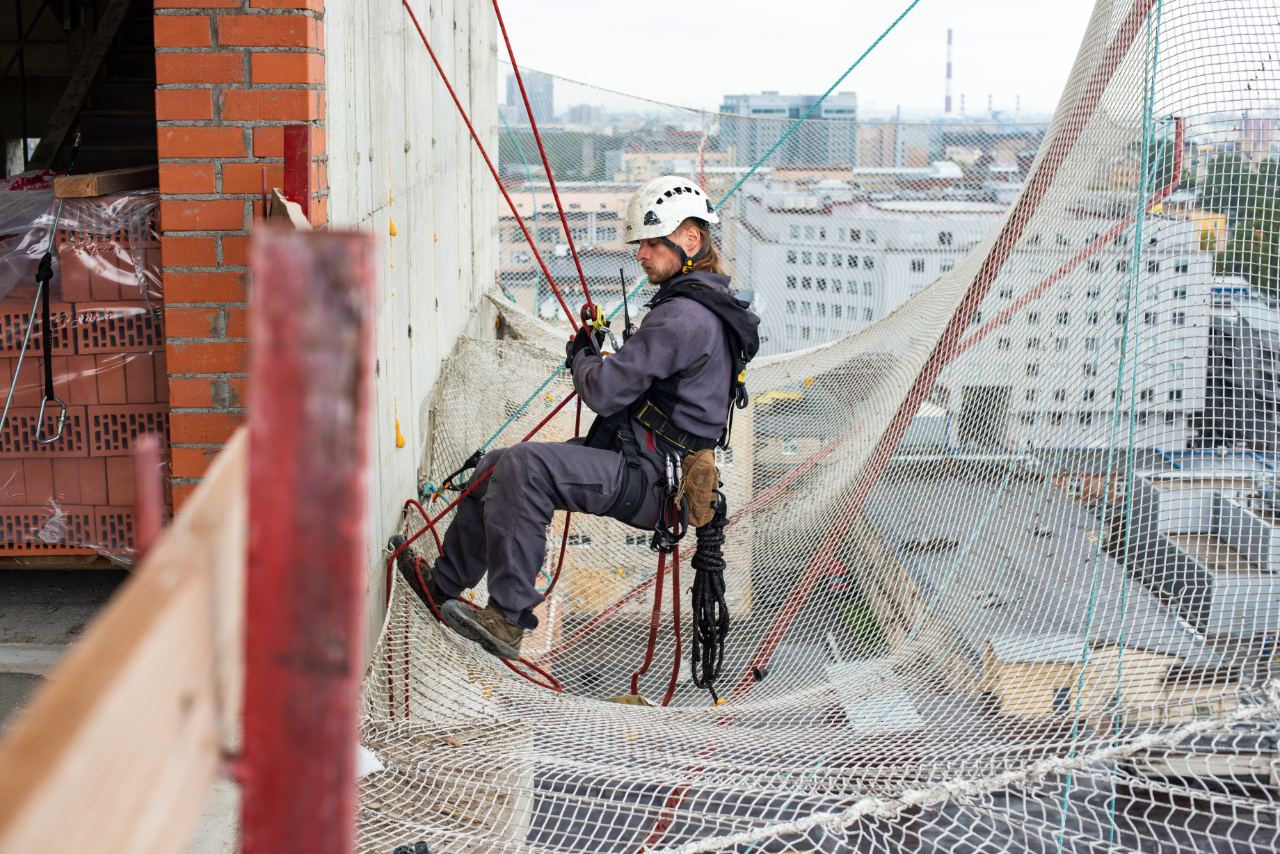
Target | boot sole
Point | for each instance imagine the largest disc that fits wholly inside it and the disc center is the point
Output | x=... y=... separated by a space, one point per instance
x=456 y=615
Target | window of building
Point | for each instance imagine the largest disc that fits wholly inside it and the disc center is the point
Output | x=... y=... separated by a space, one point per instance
x=917 y=265
x=806 y=257
x=947 y=264
x=853 y=261
x=790 y=446
x=606 y=235
x=1055 y=418
x=1033 y=317
x=791 y=282
x=1062 y=343
x=579 y=233
x=804 y=333
x=1176 y=394
x=835 y=311
x=1085 y=418
x=1006 y=292
x=822 y=259
x=822 y=284
x=1003 y=344
x=1033 y=343
x=1179 y=318
x=871 y=236
x=915 y=238
x=1179 y=369
x=866 y=289
x=977 y=319
x=808 y=232
x=1153 y=266
x=1179 y=293
x=1090 y=369
x=1033 y=369
x=1180 y=267
x=869 y=262
x=791 y=332
x=836 y=259
x=521 y=256
x=806 y=308
x=855 y=235
x=1031 y=395
x=1091 y=343
x=1093 y=293
x=944 y=238
x=822 y=309
x=791 y=256
x=1089 y=394
x=835 y=285
x=1027 y=418
x=806 y=283
x=1122 y=266
x=1063 y=318
x=548 y=235
x=1151 y=317
x=1153 y=294
x=1145 y=394
x=1062 y=240
x=1095 y=266
x=1093 y=318
x=866 y=315
x=791 y=306
x=1121 y=317
x=822 y=234
x=795 y=231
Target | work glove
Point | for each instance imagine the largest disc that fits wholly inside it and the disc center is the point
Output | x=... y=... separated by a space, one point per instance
x=580 y=342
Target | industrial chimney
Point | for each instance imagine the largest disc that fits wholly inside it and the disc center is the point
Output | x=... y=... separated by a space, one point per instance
x=948 y=110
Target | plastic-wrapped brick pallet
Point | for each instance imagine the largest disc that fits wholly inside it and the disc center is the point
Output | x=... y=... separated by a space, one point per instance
x=76 y=496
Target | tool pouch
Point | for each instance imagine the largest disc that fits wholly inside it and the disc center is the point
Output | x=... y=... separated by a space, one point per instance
x=698 y=484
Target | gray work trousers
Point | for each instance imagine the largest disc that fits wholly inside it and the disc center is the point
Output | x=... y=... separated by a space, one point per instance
x=501 y=527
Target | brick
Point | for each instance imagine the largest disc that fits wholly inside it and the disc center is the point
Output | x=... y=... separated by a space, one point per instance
x=235 y=250
x=189 y=251
x=181 y=492
x=183 y=178
x=191 y=105
x=268 y=142
x=111 y=380
x=192 y=68
x=66 y=480
x=61 y=378
x=196 y=4
x=192 y=322
x=38 y=474
x=182 y=31
x=269 y=31
x=202 y=215
x=13 y=486
x=113 y=431
x=30 y=386
x=205 y=287
x=120 y=479
x=305 y=69
x=269 y=105
x=320 y=211
x=237 y=325
x=192 y=142
x=191 y=392
x=83 y=380
x=75 y=275
x=247 y=177
x=139 y=378
x=192 y=462
x=93 y=480
x=203 y=428
x=104 y=276
x=212 y=357
x=309 y=5
x=162 y=376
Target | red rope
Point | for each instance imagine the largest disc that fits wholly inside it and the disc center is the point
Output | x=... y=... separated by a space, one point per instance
x=675 y=617
x=653 y=624
x=519 y=219
x=542 y=151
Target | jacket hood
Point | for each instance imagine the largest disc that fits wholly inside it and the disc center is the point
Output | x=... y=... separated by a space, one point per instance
x=711 y=290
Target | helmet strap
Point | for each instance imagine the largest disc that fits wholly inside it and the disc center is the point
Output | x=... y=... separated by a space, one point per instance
x=686 y=263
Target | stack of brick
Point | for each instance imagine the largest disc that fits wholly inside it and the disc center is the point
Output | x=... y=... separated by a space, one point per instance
x=76 y=495
x=231 y=74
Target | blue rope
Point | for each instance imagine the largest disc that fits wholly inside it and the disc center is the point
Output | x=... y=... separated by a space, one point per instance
x=792 y=129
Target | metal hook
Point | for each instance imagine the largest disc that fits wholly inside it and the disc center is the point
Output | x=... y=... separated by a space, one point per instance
x=62 y=420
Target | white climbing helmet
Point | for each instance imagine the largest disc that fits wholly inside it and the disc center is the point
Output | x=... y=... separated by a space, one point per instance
x=658 y=208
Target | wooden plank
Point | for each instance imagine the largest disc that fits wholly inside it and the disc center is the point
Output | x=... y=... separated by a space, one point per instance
x=55 y=132
x=305 y=580
x=102 y=183
x=117 y=750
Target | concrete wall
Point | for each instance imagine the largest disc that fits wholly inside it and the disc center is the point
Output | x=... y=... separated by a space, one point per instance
x=399 y=152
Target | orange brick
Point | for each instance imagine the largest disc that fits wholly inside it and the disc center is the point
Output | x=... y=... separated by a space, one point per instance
x=182 y=31
x=120 y=481
x=235 y=250
x=268 y=142
x=182 y=492
x=93 y=480
x=162 y=376
x=190 y=105
x=191 y=392
x=197 y=4
x=140 y=378
x=247 y=177
x=110 y=375
x=181 y=178
x=189 y=251
x=199 y=68
x=202 y=215
x=309 y=5
x=84 y=381
x=38 y=474
x=319 y=211
x=204 y=287
x=283 y=68
x=192 y=462
x=191 y=322
x=269 y=105
x=66 y=480
x=237 y=322
x=201 y=142
x=211 y=357
x=203 y=428
x=268 y=31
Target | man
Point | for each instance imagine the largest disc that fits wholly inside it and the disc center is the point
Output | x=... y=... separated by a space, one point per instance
x=664 y=394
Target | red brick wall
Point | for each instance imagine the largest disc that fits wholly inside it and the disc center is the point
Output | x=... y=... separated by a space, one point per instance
x=230 y=74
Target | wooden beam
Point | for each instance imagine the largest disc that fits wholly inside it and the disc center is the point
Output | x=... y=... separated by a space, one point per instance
x=102 y=183
x=64 y=115
x=304 y=658
x=116 y=752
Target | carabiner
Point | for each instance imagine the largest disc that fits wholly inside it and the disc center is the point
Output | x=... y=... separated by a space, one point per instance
x=62 y=420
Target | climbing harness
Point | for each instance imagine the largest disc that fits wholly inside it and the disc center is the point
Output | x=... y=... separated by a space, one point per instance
x=44 y=274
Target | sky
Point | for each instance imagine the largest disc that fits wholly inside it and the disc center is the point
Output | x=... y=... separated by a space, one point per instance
x=693 y=53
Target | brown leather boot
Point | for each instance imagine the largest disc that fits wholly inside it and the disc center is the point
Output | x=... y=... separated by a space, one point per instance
x=405 y=563
x=487 y=627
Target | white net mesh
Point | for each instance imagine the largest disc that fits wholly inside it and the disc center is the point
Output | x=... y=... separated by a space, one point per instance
x=999 y=563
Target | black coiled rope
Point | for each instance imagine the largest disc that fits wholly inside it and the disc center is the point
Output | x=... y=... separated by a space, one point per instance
x=710 y=611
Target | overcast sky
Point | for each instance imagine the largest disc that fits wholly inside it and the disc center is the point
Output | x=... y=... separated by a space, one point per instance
x=693 y=53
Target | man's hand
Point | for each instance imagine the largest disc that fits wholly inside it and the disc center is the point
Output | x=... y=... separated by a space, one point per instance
x=578 y=343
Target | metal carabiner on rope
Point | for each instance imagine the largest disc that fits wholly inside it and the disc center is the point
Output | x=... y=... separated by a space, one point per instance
x=62 y=420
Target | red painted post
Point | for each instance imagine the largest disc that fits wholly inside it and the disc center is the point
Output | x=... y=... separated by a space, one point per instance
x=297 y=166
x=309 y=408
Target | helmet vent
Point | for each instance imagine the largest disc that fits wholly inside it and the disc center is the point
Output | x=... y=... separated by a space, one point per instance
x=651 y=218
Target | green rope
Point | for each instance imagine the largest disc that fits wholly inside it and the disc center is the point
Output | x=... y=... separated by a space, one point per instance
x=792 y=129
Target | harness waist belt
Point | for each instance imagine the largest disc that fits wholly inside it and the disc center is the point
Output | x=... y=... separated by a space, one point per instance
x=658 y=424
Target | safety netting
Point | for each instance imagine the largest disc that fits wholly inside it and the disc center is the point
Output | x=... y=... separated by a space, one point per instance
x=999 y=562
